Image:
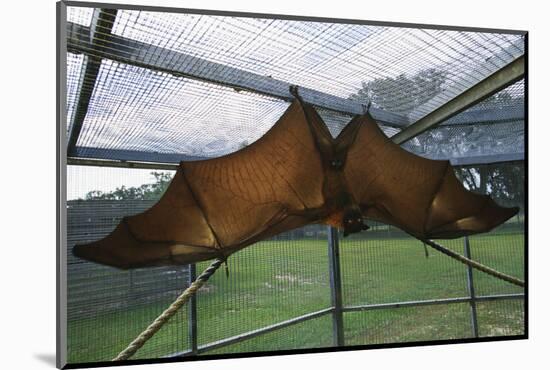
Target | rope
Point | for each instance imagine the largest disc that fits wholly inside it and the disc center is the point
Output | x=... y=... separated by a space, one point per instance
x=474 y=264
x=169 y=312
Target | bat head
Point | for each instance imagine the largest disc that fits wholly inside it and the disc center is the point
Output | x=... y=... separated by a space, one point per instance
x=353 y=222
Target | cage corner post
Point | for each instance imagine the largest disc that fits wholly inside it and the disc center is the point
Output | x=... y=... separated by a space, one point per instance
x=192 y=312
x=471 y=291
x=335 y=287
x=62 y=357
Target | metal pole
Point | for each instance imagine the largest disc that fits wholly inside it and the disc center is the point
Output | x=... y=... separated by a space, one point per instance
x=335 y=287
x=121 y=164
x=61 y=187
x=471 y=291
x=193 y=312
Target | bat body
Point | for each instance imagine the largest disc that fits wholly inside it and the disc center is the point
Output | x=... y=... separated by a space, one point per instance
x=295 y=175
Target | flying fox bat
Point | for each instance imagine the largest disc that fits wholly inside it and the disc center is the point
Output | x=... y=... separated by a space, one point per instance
x=296 y=174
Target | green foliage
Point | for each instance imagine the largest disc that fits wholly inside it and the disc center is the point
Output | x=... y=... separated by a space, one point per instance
x=144 y=192
x=503 y=98
x=504 y=183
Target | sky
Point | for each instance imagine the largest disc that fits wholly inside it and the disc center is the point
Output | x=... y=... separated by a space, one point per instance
x=82 y=179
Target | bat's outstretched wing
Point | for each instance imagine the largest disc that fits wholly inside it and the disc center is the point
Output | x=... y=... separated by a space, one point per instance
x=216 y=206
x=421 y=196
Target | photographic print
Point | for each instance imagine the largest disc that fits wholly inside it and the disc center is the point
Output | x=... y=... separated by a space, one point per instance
x=239 y=184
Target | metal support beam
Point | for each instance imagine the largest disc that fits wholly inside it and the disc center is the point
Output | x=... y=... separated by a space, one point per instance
x=335 y=286
x=127 y=158
x=102 y=23
x=471 y=291
x=131 y=155
x=156 y=58
x=156 y=161
x=193 y=335
x=512 y=72
x=61 y=259
x=121 y=164
x=430 y=302
x=488 y=116
x=254 y=333
x=487 y=159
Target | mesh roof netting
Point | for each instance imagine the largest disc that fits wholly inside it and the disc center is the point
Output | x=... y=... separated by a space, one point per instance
x=468 y=134
x=137 y=109
x=404 y=71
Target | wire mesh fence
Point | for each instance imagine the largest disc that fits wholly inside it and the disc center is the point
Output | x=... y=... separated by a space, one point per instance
x=106 y=307
x=277 y=293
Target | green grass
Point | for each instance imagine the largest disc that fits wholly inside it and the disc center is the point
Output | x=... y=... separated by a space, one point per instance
x=274 y=281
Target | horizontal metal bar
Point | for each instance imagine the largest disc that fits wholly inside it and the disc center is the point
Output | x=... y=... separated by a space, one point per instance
x=497 y=81
x=131 y=155
x=491 y=116
x=162 y=161
x=488 y=159
x=255 y=333
x=121 y=164
x=430 y=302
x=149 y=56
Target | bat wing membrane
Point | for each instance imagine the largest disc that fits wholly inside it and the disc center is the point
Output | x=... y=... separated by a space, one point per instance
x=217 y=206
x=421 y=196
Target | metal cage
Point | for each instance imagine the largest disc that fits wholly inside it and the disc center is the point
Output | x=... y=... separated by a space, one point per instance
x=147 y=89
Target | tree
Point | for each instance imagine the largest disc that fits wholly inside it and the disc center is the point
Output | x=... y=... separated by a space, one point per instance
x=503 y=98
x=402 y=93
x=505 y=183
x=151 y=191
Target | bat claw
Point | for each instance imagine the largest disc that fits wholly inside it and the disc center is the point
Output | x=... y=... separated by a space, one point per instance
x=294 y=91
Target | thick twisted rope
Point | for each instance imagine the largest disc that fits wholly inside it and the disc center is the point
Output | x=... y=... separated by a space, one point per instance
x=168 y=313
x=474 y=264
